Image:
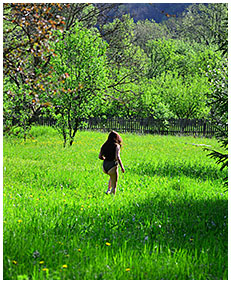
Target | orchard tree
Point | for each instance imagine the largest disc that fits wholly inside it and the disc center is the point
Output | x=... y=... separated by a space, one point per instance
x=79 y=78
x=185 y=97
x=161 y=53
x=28 y=29
x=179 y=56
x=127 y=62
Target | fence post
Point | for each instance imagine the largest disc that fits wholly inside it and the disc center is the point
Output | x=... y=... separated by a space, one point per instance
x=204 y=128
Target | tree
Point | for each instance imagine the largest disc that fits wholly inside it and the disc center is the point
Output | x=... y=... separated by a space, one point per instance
x=177 y=55
x=185 y=97
x=28 y=29
x=203 y=23
x=127 y=62
x=146 y=30
x=89 y=14
x=79 y=76
x=122 y=53
x=218 y=100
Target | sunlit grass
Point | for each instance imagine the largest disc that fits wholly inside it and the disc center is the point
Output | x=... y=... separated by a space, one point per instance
x=167 y=221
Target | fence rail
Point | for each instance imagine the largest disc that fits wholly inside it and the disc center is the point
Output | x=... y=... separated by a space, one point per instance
x=198 y=127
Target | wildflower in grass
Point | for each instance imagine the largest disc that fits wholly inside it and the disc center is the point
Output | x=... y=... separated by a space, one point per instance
x=45 y=269
x=127 y=269
x=14 y=262
x=19 y=221
x=108 y=244
x=64 y=266
x=79 y=250
x=41 y=262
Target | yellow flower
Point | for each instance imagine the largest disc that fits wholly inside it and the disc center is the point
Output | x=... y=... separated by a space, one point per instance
x=127 y=269
x=108 y=244
x=41 y=262
x=19 y=221
x=14 y=261
x=45 y=269
x=79 y=250
x=64 y=266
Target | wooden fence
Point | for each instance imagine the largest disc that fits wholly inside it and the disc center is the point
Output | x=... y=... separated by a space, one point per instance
x=197 y=127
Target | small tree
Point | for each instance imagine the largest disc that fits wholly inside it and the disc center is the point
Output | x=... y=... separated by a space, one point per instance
x=79 y=77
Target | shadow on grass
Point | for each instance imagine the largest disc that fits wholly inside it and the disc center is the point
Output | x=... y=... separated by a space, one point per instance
x=168 y=226
x=179 y=224
x=198 y=171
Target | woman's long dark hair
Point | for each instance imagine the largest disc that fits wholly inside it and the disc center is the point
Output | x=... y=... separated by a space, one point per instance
x=109 y=147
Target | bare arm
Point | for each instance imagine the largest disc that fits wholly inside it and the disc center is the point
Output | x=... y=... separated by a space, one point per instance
x=101 y=156
x=119 y=159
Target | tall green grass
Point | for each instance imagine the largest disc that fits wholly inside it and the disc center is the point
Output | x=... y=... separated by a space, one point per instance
x=168 y=220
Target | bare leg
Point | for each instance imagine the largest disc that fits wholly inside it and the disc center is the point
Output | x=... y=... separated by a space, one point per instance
x=109 y=183
x=109 y=186
x=113 y=173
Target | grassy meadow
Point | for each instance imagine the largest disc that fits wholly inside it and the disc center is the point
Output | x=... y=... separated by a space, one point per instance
x=168 y=219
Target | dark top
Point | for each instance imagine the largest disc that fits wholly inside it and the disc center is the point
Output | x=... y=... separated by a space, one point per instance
x=108 y=150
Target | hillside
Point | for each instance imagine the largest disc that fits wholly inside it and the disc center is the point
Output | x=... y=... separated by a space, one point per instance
x=156 y=11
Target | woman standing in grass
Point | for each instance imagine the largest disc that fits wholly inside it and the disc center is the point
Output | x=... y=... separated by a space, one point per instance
x=110 y=154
